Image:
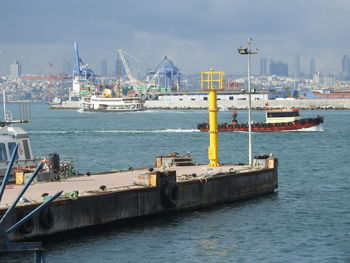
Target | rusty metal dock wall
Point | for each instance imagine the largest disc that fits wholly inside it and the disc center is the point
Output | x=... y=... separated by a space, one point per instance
x=106 y=207
x=226 y=188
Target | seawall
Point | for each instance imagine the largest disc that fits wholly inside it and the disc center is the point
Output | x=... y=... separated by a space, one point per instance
x=311 y=104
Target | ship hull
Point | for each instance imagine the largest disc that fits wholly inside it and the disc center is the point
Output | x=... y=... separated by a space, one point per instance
x=267 y=127
x=114 y=110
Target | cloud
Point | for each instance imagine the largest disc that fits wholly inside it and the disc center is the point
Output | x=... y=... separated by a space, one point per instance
x=195 y=33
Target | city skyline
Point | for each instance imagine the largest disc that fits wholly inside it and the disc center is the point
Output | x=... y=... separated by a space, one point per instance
x=40 y=32
x=265 y=68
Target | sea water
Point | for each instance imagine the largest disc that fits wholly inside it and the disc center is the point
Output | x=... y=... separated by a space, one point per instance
x=308 y=220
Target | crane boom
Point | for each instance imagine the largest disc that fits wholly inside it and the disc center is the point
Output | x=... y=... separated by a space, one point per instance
x=151 y=80
x=127 y=69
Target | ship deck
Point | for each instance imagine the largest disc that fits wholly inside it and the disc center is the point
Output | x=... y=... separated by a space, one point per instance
x=114 y=181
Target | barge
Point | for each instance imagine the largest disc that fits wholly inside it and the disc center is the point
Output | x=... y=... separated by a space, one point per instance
x=92 y=200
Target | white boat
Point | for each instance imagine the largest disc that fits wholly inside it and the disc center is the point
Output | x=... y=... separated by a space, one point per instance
x=10 y=136
x=97 y=103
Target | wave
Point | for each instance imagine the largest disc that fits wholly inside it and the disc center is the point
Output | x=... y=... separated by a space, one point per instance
x=318 y=128
x=118 y=131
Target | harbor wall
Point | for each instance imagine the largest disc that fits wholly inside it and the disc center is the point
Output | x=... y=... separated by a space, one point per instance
x=311 y=104
x=107 y=207
x=306 y=104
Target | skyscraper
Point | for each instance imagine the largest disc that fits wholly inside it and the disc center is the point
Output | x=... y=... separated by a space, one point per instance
x=15 y=70
x=104 y=71
x=296 y=68
x=263 y=66
x=67 y=66
x=346 y=66
x=278 y=68
x=312 y=67
x=119 y=69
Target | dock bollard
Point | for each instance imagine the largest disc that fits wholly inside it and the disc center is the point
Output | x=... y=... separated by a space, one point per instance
x=272 y=162
x=153 y=179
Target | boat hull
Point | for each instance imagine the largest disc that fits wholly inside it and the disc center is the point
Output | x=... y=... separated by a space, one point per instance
x=113 y=110
x=267 y=127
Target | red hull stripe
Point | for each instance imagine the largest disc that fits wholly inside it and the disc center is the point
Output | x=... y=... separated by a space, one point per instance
x=264 y=127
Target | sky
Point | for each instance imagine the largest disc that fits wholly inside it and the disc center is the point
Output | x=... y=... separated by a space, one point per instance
x=195 y=34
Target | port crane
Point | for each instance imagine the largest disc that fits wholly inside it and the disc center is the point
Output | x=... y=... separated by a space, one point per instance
x=133 y=81
x=48 y=76
x=51 y=79
x=166 y=75
x=81 y=69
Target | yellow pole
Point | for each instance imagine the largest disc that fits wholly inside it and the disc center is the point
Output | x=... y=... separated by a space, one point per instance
x=212 y=82
x=213 y=129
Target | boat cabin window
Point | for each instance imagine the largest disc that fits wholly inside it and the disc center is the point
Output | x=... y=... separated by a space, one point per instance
x=3 y=155
x=12 y=146
x=282 y=114
x=26 y=149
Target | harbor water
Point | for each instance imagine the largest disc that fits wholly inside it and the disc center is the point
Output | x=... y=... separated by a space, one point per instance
x=308 y=220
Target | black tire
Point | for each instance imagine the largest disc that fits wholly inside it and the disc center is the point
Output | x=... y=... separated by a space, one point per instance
x=46 y=218
x=28 y=226
x=170 y=194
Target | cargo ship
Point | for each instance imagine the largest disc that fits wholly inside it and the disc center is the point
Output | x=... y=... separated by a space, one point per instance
x=276 y=120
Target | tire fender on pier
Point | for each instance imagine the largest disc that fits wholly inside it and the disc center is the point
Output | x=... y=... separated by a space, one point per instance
x=46 y=219
x=28 y=226
x=169 y=194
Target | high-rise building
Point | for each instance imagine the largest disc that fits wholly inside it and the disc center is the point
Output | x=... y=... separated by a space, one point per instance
x=67 y=66
x=346 y=66
x=264 y=67
x=119 y=69
x=104 y=71
x=296 y=67
x=312 y=67
x=15 y=70
x=278 y=68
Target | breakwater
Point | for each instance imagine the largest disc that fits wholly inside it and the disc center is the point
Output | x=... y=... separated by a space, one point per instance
x=311 y=104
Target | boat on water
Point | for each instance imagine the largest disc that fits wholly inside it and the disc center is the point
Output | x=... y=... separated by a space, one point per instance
x=11 y=135
x=287 y=119
x=109 y=103
x=9 y=138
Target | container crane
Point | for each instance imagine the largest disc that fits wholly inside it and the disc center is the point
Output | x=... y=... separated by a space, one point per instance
x=81 y=69
x=166 y=75
x=82 y=74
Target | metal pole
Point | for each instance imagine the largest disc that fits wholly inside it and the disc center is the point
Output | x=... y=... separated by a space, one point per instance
x=4 y=103
x=213 y=123
x=249 y=109
x=8 y=172
x=39 y=256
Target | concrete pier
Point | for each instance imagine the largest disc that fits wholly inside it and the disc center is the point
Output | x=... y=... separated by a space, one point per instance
x=174 y=189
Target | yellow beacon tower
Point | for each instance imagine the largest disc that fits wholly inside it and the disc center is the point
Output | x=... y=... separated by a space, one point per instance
x=212 y=82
